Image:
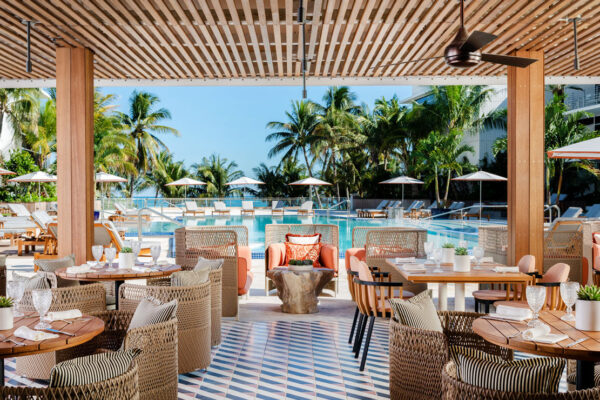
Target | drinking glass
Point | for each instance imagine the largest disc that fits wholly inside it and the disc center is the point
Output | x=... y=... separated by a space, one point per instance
x=536 y=296
x=111 y=254
x=97 y=252
x=478 y=254
x=568 y=292
x=155 y=252
x=437 y=257
x=136 y=246
x=42 y=299
x=428 y=249
x=15 y=290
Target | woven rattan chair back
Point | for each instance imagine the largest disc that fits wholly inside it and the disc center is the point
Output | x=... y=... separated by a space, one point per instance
x=359 y=233
x=193 y=317
x=454 y=389
x=212 y=244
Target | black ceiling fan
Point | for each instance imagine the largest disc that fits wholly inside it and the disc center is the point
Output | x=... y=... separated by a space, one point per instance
x=464 y=50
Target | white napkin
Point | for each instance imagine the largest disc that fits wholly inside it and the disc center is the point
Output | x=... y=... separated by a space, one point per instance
x=506 y=269
x=487 y=259
x=67 y=314
x=141 y=269
x=413 y=267
x=541 y=333
x=29 y=334
x=400 y=260
x=509 y=312
x=81 y=269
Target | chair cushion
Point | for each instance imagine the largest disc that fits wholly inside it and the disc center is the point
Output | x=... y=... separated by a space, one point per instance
x=303 y=239
x=189 y=278
x=455 y=350
x=52 y=265
x=358 y=252
x=92 y=369
x=491 y=295
x=151 y=311
x=417 y=312
x=303 y=252
x=203 y=268
x=533 y=375
x=36 y=281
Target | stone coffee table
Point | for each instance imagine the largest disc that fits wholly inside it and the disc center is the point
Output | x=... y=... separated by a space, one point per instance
x=298 y=290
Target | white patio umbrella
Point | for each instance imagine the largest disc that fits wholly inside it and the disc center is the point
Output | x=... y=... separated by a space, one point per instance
x=186 y=182
x=586 y=150
x=38 y=176
x=6 y=172
x=244 y=181
x=310 y=182
x=402 y=180
x=480 y=176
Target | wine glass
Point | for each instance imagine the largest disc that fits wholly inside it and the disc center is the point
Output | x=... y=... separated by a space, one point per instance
x=478 y=254
x=428 y=249
x=111 y=254
x=437 y=257
x=97 y=252
x=568 y=292
x=42 y=299
x=136 y=246
x=536 y=296
x=155 y=252
x=15 y=290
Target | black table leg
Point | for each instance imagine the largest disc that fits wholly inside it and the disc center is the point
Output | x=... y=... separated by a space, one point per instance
x=2 y=374
x=117 y=286
x=585 y=375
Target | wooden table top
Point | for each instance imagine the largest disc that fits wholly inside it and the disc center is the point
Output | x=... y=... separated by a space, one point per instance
x=484 y=275
x=498 y=332
x=117 y=274
x=85 y=329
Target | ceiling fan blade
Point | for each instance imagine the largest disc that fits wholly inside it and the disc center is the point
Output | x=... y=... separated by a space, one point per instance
x=406 y=62
x=477 y=40
x=513 y=61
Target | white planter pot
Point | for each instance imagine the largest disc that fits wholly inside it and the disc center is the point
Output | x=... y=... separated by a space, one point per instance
x=6 y=318
x=448 y=256
x=126 y=260
x=462 y=263
x=587 y=315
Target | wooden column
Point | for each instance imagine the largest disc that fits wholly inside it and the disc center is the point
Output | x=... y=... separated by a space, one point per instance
x=75 y=151
x=526 y=160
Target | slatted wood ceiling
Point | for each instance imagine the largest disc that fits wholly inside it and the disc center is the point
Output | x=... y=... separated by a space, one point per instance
x=181 y=39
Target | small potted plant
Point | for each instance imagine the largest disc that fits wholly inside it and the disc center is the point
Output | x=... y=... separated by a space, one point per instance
x=447 y=253
x=462 y=260
x=6 y=313
x=587 y=307
x=126 y=258
x=300 y=265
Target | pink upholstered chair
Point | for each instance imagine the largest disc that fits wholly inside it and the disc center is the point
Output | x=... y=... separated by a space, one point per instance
x=489 y=296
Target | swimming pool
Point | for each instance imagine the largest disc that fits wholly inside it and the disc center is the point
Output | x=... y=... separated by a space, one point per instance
x=440 y=231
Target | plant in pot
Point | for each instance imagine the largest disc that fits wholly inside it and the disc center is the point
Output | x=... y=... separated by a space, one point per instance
x=447 y=253
x=300 y=265
x=587 y=307
x=6 y=313
x=462 y=260
x=126 y=258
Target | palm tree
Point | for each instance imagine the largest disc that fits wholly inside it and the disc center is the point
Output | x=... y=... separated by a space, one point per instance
x=166 y=171
x=143 y=125
x=216 y=172
x=40 y=135
x=19 y=106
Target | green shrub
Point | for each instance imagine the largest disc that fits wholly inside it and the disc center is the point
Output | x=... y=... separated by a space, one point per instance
x=589 y=292
x=461 y=251
x=447 y=246
x=126 y=250
x=300 y=262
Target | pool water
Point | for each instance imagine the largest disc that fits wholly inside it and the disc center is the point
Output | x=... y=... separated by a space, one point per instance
x=440 y=231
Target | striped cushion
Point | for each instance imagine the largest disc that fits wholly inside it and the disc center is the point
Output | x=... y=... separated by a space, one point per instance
x=533 y=375
x=51 y=265
x=189 y=278
x=36 y=281
x=92 y=369
x=151 y=311
x=418 y=312
x=455 y=350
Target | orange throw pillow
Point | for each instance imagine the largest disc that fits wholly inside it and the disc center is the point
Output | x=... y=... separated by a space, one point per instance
x=303 y=252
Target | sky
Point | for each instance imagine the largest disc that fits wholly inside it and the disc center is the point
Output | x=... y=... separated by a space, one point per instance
x=231 y=120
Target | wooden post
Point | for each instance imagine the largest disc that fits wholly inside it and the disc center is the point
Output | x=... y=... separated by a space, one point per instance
x=75 y=151
x=526 y=160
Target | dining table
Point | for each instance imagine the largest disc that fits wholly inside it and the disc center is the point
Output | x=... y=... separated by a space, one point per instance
x=583 y=346
x=483 y=273
x=78 y=331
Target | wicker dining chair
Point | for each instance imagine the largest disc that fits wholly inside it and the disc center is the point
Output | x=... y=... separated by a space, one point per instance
x=86 y=298
x=454 y=389
x=417 y=356
x=157 y=363
x=122 y=387
x=193 y=317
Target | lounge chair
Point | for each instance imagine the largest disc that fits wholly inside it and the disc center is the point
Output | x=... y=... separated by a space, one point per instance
x=277 y=207
x=48 y=233
x=474 y=211
x=373 y=212
x=221 y=208
x=19 y=210
x=572 y=212
x=414 y=210
x=306 y=208
x=247 y=207
x=107 y=235
x=592 y=212
x=455 y=208
x=433 y=205
x=123 y=214
x=192 y=208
